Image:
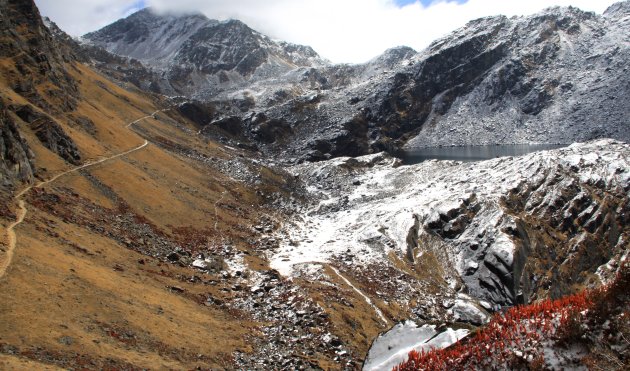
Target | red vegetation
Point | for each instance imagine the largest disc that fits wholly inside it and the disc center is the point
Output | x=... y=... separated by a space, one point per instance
x=516 y=337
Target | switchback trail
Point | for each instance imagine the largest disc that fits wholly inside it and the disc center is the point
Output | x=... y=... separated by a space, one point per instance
x=21 y=214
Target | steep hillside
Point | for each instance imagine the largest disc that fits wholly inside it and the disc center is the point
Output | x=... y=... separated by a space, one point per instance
x=127 y=72
x=107 y=213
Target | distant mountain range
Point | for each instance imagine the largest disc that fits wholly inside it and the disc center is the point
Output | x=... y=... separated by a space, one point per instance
x=555 y=77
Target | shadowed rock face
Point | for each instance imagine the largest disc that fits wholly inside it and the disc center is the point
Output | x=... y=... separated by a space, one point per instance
x=16 y=158
x=50 y=134
x=564 y=218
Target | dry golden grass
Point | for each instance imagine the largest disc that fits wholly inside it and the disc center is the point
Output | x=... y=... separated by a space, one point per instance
x=55 y=290
x=9 y=362
x=71 y=296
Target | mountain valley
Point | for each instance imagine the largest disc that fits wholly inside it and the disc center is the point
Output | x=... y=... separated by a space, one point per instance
x=185 y=193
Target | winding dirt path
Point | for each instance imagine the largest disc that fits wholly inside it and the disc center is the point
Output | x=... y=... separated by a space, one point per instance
x=4 y=264
x=365 y=297
x=21 y=214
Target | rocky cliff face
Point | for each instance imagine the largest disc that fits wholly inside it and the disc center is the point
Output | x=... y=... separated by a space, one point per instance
x=16 y=158
x=34 y=67
x=49 y=133
x=198 y=56
x=37 y=57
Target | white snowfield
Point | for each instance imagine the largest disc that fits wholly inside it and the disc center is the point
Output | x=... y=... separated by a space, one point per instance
x=366 y=207
x=392 y=347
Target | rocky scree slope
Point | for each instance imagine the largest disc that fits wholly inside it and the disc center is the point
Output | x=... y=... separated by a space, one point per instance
x=558 y=76
x=196 y=55
x=504 y=231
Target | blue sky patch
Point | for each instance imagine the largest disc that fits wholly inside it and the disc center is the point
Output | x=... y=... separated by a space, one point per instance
x=139 y=5
x=424 y=2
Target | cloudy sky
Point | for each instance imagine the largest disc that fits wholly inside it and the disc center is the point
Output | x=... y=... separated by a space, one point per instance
x=340 y=30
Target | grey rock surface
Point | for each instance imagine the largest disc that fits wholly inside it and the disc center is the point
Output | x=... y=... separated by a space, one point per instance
x=16 y=158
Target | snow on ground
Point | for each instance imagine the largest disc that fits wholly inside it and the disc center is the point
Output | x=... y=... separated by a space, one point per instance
x=367 y=207
x=393 y=346
x=467 y=311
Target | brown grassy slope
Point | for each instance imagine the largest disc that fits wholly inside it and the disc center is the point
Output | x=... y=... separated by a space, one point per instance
x=76 y=295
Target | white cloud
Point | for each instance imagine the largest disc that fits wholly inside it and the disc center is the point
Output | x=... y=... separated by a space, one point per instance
x=340 y=30
x=80 y=17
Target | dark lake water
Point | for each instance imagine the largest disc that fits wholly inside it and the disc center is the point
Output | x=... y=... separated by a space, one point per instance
x=473 y=153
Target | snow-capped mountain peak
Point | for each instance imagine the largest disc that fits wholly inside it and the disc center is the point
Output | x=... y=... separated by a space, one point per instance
x=197 y=53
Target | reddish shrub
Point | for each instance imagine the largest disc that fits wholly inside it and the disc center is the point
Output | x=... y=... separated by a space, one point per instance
x=523 y=327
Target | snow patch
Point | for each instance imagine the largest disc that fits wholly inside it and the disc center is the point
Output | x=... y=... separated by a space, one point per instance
x=392 y=347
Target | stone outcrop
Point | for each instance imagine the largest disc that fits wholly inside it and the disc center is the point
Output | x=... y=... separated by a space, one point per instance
x=50 y=133
x=16 y=158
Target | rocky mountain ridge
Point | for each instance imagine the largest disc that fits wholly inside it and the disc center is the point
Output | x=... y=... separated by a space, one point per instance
x=195 y=54
x=554 y=77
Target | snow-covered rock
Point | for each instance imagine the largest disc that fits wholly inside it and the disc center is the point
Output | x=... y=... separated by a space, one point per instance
x=195 y=54
x=467 y=311
x=494 y=222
